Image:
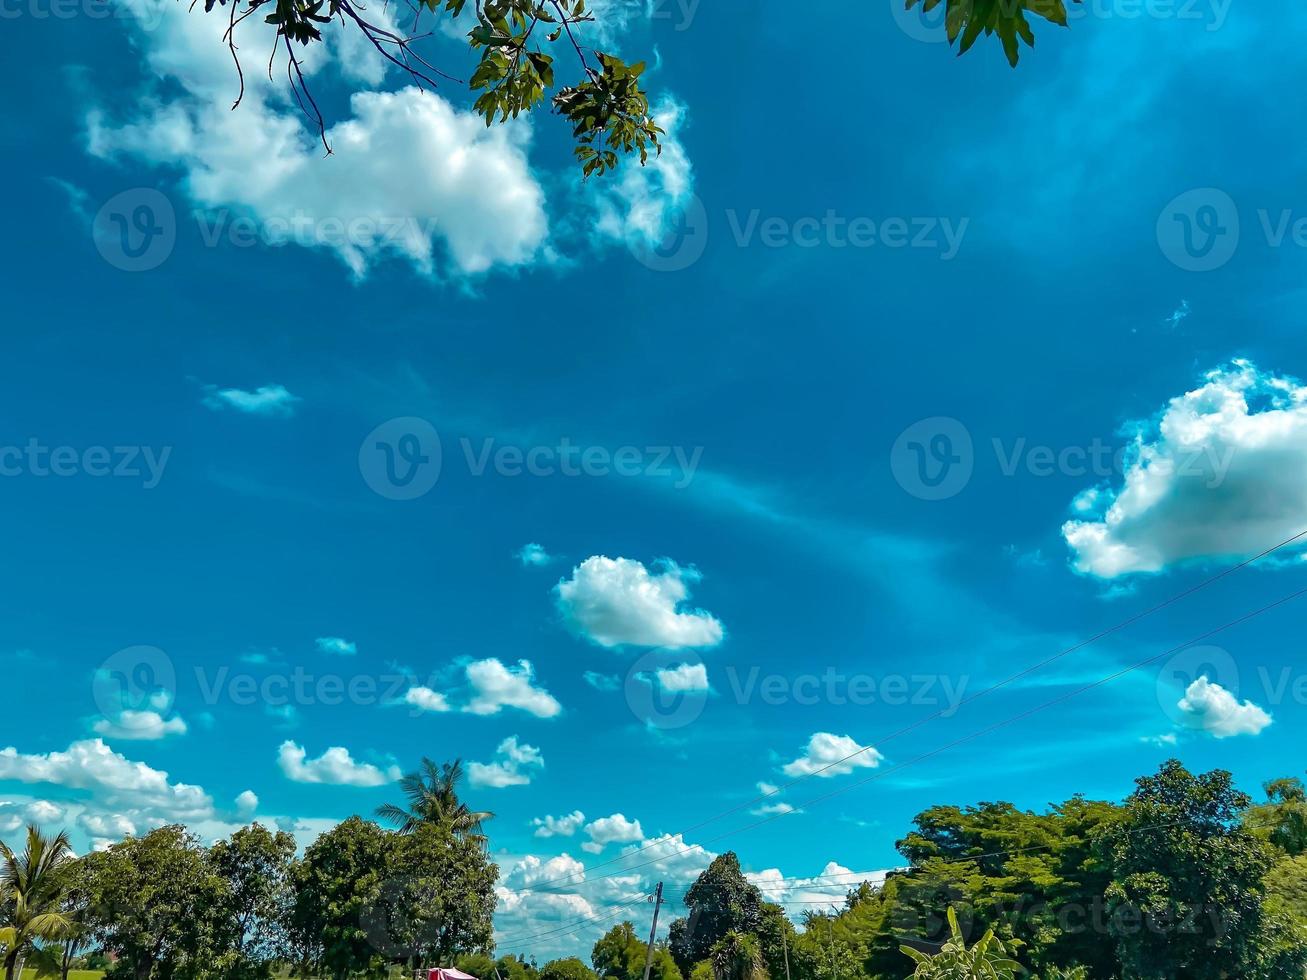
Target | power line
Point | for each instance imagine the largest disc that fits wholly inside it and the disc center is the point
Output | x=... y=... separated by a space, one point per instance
x=966 y=739
x=1130 y=621
x=580 y=923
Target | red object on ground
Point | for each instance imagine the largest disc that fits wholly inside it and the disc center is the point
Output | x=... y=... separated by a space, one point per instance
x=439 y=974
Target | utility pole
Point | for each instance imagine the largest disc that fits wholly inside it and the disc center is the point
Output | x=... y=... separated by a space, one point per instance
x=830 y=944
x=785 y=949
x=653 y=930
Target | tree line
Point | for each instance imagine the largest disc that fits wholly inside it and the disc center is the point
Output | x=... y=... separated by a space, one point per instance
x=1185 y=880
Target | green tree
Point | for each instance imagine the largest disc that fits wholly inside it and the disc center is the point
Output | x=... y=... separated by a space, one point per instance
x=1187 y=890
x=161 y=905
x=737 y=956
x=32 y=891
x=989 y=959
x=569 y=968
x=517 y=968
x=338 y=886
x=255 y=864
x=721 y=900
x=512 y=42
x=440 y=897
x=1282 y=820
x=431 y=797
x=620 y=955
x=966 y=20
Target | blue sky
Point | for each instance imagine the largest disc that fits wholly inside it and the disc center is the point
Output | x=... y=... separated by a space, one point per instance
x=715 y=444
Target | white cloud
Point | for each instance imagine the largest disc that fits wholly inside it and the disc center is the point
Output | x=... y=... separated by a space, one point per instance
x=611 y=830
x=1221 y=472
x=335 y=767
x=642 y=203
x=615 y=602
x=602 y=682
x=425 y=699
x=40 y=812
x=532 y=870
x=491 y=687
x=495 y=687
x=411 y=176
x=831 y=885
x=336 y=646
x=270 y=400
x=247 y=803
x=534 y=556
x=683 y=678
x=838 y=752
x=91 y=765
x=513 y=766
x=1210 y=707
x=564 y=826
x=107 y=826
x=140 y=726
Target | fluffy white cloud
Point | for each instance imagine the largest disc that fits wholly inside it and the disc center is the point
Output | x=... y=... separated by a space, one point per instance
x=410 y=175
x=513 y=766
x=829 y=755
x=40 y=812
x=532 y=870
x=1221 y=472
x=425 y=699
x=564 y=826
x=91 y=765
x=495 y=687
x=336 y=646
x=491 y=687
x=140 y=726
x=643 y=203
x=335 y=767
x=271 y=400
x=247 y=803
x=534 y=556
x=683 y=678
x=107 y=826
x=831 y=885
x=611 y=830
x=616 y=602
x=1210 y=707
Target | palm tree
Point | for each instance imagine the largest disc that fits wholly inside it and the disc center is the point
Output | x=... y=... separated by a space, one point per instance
x=32 y=888
x=432 y=797
x=737 y=956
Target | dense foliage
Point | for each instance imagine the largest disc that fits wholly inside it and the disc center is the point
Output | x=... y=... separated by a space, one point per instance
x=1185 y=880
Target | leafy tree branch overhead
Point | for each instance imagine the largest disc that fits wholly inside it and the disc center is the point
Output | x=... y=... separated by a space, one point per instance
x=514 y=40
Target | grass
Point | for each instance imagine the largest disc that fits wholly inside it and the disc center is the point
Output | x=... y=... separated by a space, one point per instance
x=30 y=974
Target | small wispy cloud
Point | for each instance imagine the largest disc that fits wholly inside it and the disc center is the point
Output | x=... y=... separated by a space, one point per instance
x=272 y=401
x=336 y=646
